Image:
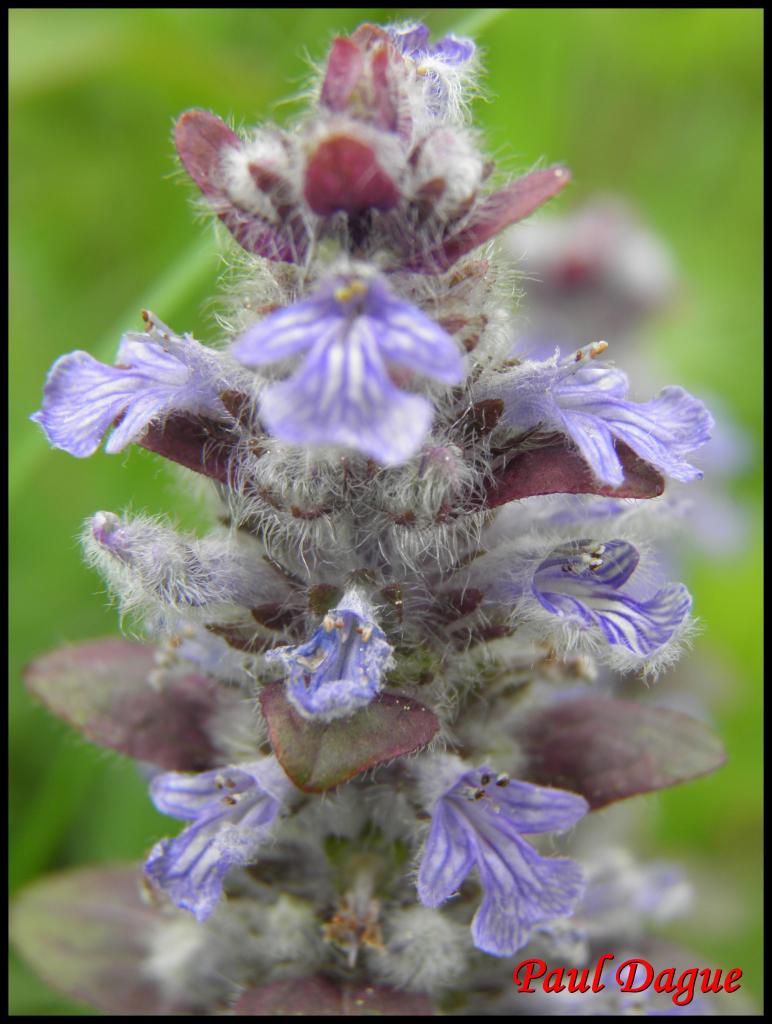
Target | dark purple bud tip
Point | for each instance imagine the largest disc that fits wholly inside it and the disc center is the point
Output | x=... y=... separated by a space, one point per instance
x=344 y=174
x=105 y=528
x=492 y=215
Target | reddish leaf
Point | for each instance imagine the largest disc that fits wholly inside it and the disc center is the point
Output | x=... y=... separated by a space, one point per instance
x=85 y=932
x=492 y=215
x=554 y=468
x=318 y=756
x=611 y=749
x=200 y=138
x=284 y=244
x=390 y=114
x=191 y=441
x=376 y=1001
x=344 y=174
x=319 y=997
x=303 y=997
x=344 y=67
x=101 y=689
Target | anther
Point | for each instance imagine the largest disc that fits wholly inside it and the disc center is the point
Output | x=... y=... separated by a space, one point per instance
x=591 y=351
x=347 y=292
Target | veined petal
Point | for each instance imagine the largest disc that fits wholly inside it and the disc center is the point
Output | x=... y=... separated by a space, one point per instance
x=640 y=626
x=478 y=821
x=522 y=889
x=587 y=401
x=342 y=395
x=591 y=379
x=413 y=41
x=232 y=810
x=414 y=341
x=82 y=397
x=537 y=808
x=157 y=372
x=663 y=430
x=612 y=564
x=287 y=332
x=454 y=49
x=595 y=441
x=185 y=795
x=190 y=869
x=448 y=857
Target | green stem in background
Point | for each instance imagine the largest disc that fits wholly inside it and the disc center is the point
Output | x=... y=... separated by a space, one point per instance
x=475 y=22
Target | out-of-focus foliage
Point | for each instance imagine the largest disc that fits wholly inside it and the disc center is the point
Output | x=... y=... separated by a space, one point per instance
x=663 y=107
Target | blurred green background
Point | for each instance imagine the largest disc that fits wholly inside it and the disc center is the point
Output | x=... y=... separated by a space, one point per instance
x=661 y=106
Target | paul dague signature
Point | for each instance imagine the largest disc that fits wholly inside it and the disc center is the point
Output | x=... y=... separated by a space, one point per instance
x=634 y=975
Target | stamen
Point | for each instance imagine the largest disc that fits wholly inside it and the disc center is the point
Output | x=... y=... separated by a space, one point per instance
x=347 y=292
x=591 y=351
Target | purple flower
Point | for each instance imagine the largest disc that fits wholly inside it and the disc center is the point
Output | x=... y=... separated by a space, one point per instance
x=413 y=41
x=354 y=331
x=443 y=65
x=588 y=403
x=156 y=373
x=232 y=810
x=341 y=667
x=479 y=821
x=582 y=581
